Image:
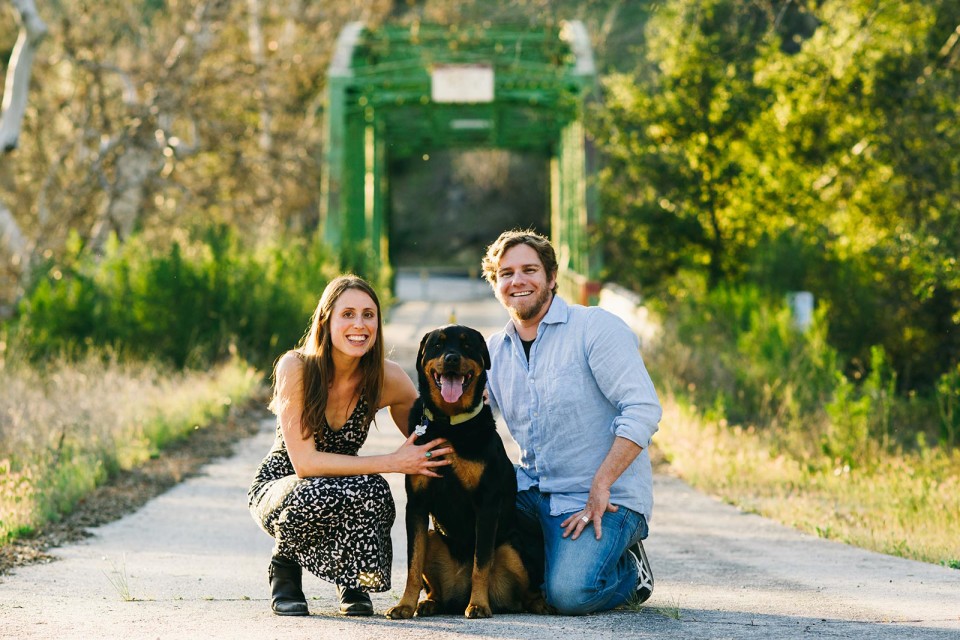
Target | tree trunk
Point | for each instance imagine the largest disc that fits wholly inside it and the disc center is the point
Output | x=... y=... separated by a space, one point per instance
x=121 y=211
x=32 y=31
x=142 y=156
x=255 y=33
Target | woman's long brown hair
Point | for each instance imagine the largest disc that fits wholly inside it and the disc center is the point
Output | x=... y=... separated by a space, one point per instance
x=316 y=349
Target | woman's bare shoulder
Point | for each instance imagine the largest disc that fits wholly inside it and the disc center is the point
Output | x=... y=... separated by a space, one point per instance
x=396 y=382
x=290 y=363
x=392 y=369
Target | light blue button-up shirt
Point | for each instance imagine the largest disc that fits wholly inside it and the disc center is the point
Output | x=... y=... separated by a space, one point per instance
x=584 y=385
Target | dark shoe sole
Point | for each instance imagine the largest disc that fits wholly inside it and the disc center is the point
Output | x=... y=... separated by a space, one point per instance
x=354 y=603
x=355 y=612
x=642 y=595
x=291 y=613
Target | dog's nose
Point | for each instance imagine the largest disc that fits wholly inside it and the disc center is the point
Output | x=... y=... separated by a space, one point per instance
x=452 y=359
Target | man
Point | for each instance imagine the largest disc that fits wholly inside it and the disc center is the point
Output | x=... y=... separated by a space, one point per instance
x=571 y=385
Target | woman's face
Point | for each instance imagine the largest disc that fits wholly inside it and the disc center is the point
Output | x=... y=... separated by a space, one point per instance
x=353 y=323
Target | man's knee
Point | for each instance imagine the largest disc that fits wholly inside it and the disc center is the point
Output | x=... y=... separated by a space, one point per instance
x=570 y=598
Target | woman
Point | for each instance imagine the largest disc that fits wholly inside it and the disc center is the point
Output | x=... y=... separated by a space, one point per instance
x=327 y=507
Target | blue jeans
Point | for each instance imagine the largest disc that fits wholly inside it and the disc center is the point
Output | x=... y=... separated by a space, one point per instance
x=583 y=575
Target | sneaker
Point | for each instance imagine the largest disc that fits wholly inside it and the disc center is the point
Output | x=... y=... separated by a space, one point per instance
x=644 y=573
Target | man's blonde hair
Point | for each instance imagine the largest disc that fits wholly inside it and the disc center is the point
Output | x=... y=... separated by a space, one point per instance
x=508 y=239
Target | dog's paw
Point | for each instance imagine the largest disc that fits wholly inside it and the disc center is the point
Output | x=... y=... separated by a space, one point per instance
x=427 y=608
x=400 y=612
x=539 y=606
x=478 y=611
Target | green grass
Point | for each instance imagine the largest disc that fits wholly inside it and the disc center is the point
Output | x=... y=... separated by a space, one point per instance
x=905 y=504
x=118 y=579
x=67 y=428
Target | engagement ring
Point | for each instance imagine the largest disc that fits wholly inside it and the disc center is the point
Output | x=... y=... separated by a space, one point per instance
x=584 y=519
x=428 y=455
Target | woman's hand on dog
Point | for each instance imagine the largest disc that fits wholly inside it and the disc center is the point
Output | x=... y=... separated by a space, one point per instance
x=412 y=459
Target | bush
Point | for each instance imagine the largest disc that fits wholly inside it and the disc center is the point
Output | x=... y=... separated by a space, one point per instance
x=744 y=355
x=948 y=406
x=736 y=356
x=191 y=304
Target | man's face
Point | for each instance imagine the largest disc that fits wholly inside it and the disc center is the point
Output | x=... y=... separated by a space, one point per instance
x=523 y=287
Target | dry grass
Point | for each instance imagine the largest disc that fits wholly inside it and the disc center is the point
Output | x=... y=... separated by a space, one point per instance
x=67 y=428
x=906 y=504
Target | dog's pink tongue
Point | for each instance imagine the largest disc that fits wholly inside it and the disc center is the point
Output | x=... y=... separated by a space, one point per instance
x=451 y=387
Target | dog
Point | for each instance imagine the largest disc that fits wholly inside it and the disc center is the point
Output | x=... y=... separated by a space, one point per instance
x=469 y=561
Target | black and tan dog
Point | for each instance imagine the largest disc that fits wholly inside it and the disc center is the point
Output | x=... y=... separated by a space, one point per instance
x=469 y=561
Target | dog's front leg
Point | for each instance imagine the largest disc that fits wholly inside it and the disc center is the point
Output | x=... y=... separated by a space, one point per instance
x=486 y=529
x=416 y=522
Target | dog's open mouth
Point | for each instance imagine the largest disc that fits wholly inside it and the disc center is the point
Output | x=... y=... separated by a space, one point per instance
x=452 y=385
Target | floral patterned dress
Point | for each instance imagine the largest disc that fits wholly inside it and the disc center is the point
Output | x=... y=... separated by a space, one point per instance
x=338 y=528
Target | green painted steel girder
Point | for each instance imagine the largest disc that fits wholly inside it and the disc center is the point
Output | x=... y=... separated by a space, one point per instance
x=400 y=91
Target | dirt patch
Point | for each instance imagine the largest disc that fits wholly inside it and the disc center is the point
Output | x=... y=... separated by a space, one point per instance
x=130 y=490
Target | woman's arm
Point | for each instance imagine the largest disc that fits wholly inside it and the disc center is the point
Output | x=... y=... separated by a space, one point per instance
x=308 y=462
x=399 y=394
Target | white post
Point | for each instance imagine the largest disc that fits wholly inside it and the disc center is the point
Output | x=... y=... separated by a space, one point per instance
x=801 y=306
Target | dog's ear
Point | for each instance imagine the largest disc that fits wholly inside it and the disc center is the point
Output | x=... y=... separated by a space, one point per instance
x=423 y=346
x=485 y=353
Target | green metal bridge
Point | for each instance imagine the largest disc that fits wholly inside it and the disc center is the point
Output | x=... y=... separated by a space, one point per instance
x=396 y=92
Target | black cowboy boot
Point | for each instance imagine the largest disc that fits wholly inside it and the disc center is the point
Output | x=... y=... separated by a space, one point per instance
x=354 y=602
x=286 y=588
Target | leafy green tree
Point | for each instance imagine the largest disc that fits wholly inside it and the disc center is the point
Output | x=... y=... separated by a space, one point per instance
x=673 y=141
x=798 y=146
x=855 y=153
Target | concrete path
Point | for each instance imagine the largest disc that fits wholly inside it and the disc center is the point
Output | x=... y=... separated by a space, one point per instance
x=192 y=564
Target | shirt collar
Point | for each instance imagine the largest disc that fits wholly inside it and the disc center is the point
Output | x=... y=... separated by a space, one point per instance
x=558 y=313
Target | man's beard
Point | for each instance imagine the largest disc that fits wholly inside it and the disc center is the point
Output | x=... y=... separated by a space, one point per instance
x=532 y=310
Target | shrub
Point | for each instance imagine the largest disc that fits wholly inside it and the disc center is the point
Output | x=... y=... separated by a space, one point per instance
x=741 y=351
x=190 y=304
x=948 y=406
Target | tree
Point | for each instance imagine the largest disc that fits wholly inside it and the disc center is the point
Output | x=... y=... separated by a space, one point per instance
x=808 y=150
x=32 y=31
x=167 y=115
x=673 y=134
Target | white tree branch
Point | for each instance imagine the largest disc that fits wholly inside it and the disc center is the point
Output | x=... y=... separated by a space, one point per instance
x=17 y=85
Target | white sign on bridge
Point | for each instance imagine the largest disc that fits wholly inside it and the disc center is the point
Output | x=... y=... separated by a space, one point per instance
x=461 y=83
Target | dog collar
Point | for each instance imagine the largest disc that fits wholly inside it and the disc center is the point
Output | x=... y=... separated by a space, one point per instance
x=460 y=417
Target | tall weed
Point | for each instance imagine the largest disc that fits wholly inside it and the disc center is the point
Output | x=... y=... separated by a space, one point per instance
x=860 y=422
x=67 y=427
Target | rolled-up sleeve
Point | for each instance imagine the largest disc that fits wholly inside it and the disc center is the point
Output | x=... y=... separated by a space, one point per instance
x=623 y=379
